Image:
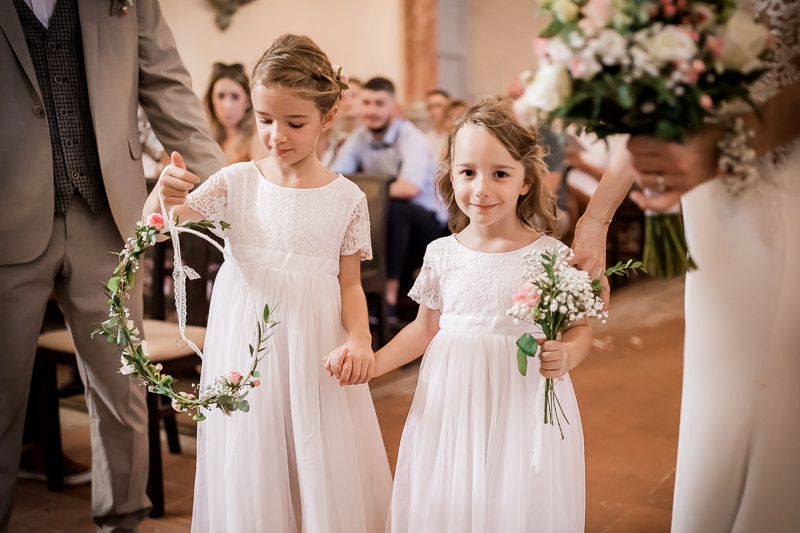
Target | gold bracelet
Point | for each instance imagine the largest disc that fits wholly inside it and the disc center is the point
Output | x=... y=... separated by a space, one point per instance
x=600 y=220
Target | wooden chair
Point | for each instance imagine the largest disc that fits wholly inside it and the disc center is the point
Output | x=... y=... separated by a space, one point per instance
x=373 y=272
x=56 y=347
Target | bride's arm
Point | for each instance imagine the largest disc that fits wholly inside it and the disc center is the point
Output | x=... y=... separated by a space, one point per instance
x=589 y=244
x=781 y=120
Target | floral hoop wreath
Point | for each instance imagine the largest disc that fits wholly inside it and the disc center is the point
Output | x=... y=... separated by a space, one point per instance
x=227 y=393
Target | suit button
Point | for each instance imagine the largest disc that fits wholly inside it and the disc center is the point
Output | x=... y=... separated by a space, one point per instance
x=38 y=111
x=74 y=175
x=68 y=143
x=58 y=79
x=51 y=45
x=63 y=112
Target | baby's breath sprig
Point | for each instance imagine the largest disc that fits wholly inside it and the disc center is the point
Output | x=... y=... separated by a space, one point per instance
x=737 y=162
x=227 y=393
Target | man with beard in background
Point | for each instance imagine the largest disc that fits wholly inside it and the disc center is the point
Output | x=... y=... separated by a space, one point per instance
x=386 y=143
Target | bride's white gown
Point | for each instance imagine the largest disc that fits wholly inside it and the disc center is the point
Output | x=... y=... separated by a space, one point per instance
x=738 y=464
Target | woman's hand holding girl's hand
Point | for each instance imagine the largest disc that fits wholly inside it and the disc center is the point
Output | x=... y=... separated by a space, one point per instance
x=553 y=359
x=352 y=363
x=176 y=182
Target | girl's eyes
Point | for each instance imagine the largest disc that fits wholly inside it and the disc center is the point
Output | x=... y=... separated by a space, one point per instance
x=269 y=121
x=471 y=173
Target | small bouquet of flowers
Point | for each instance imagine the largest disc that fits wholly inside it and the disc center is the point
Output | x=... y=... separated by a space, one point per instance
x=554 y=296
x=647 y=67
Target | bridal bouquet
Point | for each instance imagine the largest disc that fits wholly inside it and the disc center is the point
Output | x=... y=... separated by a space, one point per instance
x=554 y=296
x=660 y=68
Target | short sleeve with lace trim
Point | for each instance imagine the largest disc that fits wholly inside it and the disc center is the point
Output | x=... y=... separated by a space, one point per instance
x=210 y=199
x=426 y=290
x=357 y=236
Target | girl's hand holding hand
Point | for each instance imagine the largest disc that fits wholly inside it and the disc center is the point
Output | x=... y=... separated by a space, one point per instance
x=352 y=363
x=554 y=359
x=176 y=182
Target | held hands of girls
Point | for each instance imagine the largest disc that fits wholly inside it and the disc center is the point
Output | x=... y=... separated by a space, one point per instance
x=351 y=363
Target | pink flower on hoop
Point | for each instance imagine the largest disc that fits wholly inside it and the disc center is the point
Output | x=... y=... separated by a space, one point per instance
x=234 y=377
x=155 y=220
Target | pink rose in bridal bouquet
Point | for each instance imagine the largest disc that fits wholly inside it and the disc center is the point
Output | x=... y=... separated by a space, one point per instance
x=554 y=296
x=645 y=67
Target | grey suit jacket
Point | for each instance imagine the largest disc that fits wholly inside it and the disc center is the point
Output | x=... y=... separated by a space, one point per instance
x=129 y=59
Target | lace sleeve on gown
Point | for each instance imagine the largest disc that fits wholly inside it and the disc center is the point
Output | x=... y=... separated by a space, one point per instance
x=783 y=19
x=210 y=199
x=426 y=287
x=357 y=236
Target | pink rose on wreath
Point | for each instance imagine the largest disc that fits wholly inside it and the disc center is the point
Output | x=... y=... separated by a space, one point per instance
x=527 y=294
x=256 y=382
x=234 y=377
x=155 y=220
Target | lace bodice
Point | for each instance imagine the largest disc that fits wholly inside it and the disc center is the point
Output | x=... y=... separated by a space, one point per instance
x=783 y=18
x=460 y=281
x=329 y=221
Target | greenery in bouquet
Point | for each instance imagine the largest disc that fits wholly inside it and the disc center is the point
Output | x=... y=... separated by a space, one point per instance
x=661 y=68
x=554 y=296
x=228 y=393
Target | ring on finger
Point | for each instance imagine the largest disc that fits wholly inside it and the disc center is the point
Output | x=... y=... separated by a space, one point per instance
x=660 y=185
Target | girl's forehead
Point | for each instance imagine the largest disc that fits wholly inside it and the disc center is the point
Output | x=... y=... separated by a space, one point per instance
x=277 y=99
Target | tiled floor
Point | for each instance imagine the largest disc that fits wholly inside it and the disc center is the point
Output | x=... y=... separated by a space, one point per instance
x=628 y=390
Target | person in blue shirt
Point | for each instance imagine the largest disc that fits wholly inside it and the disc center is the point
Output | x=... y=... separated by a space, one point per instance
x=387 y=144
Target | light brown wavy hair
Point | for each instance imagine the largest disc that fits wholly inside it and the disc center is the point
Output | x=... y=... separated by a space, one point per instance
x=247 y=126
x=537 y=208
x=297 y=63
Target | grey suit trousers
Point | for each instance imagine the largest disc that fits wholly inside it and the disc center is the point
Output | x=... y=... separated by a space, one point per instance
x=75 y=264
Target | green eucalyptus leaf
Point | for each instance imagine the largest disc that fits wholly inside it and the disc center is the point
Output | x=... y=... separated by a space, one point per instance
x=527 y=344
x=522 y=362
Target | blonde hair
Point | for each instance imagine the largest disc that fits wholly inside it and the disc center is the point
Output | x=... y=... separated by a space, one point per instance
x=297 y=63
x=537 y=208
x=247 y=125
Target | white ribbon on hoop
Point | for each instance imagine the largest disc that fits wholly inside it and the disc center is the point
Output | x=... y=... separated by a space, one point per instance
x=180 y=271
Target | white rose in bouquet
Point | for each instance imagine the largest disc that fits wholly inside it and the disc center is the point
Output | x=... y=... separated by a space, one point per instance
x=671 y=43
x=551 y=86
x=744 y=40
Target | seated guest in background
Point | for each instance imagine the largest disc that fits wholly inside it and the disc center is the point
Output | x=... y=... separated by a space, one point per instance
x=230 y=113
x=349 y=115
x=328 y=144
x=437 y=100
x=554 y=159
x=388 y=144
x=454 y=110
